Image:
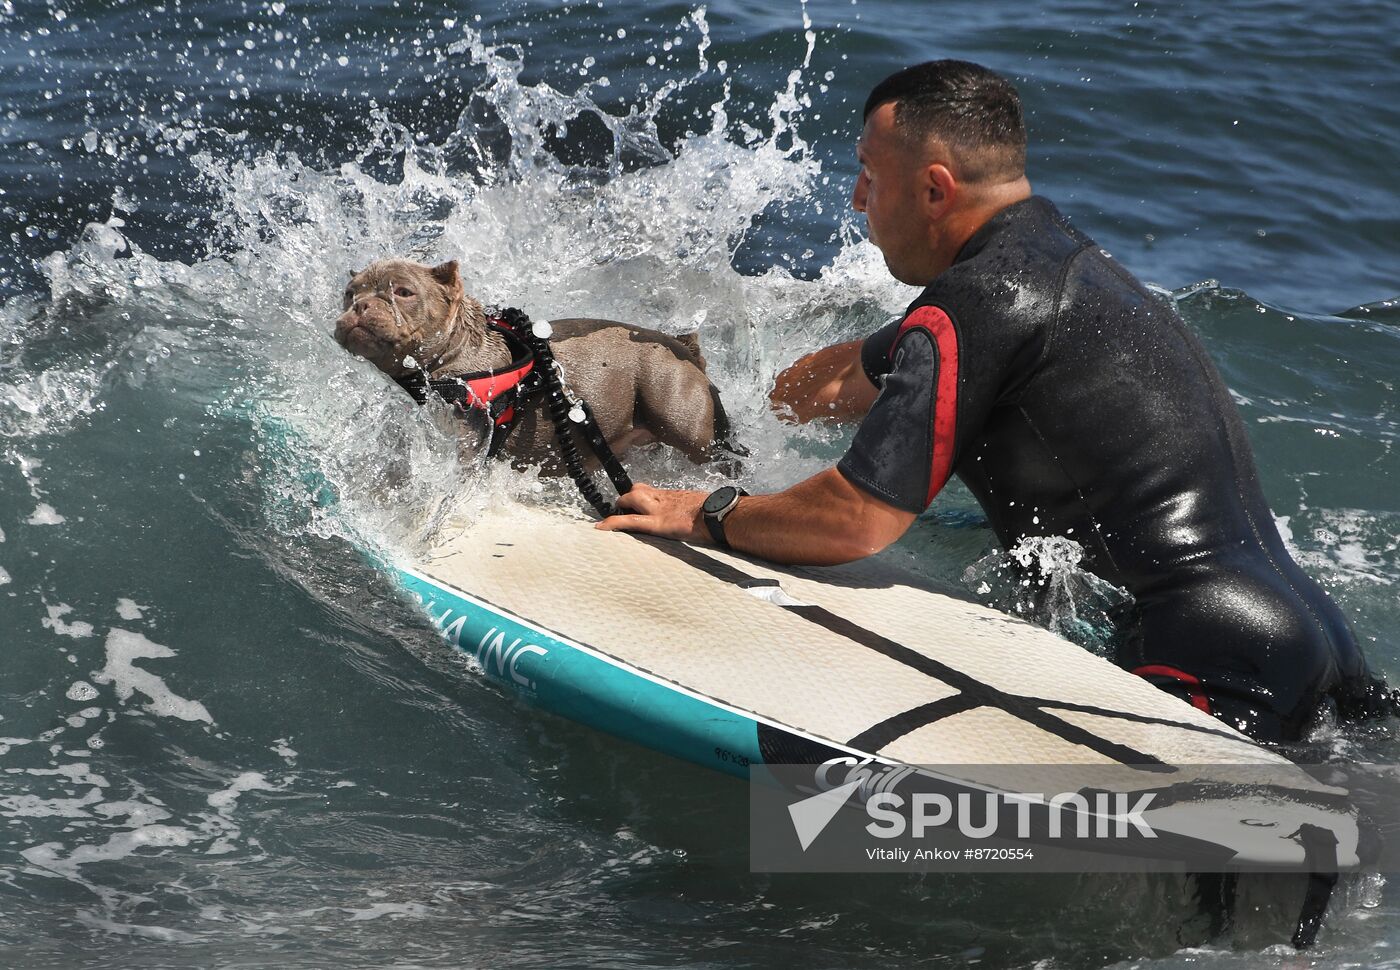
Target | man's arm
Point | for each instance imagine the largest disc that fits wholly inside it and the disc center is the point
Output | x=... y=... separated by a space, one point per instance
x=822 y=521
x=830 y=383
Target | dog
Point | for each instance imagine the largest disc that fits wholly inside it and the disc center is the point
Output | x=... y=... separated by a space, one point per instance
x=642 y=385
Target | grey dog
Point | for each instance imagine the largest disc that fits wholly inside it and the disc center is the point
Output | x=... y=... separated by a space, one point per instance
x=641 y=384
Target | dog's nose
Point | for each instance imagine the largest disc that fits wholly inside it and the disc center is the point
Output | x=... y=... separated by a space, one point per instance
x=361 y=306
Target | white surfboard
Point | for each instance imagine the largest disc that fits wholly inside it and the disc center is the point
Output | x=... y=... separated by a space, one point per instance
x=730 y=662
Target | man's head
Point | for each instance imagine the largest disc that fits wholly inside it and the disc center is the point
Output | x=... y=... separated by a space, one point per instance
x=944 y=148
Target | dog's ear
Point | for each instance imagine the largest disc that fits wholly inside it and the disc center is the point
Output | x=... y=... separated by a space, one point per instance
x=355 y=272
x=446 y=274
x=691 y=342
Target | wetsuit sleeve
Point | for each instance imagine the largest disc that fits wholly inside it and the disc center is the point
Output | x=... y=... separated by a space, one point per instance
x=902 y=452
x=875 y=352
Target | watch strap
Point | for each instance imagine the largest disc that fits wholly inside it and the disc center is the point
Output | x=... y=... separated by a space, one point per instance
x=714 y=521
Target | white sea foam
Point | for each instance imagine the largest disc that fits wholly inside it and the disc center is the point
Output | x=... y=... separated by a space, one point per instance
x=44 y=514
x=32 y=805
x=1349 y=545
x=389 y=910
x=49 y=857
x=130 y=609
x=55 y=622
x=223 y=801
x=123 y=649
x=81 y=690
x=162 y=934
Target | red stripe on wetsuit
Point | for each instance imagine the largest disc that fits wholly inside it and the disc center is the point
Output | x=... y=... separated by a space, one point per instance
x=1193 y=683
x=939 y=328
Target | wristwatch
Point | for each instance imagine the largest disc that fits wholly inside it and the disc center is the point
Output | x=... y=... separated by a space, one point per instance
x=717 y=507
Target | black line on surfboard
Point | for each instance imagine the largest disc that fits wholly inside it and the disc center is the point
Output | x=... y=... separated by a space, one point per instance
x=893 y=728
x=979 y=694
x=1134 y=717
x=984 y=695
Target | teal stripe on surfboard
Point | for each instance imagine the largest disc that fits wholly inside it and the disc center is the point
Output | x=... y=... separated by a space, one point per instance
x=578 y=683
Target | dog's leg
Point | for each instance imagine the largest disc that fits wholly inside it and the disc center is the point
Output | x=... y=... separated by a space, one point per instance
x=682 y=408
x=724 y=447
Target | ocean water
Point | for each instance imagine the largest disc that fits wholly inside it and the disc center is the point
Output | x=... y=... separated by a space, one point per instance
x=226 y=741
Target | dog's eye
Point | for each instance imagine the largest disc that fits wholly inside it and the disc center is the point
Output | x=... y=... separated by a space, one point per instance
x=403 y=291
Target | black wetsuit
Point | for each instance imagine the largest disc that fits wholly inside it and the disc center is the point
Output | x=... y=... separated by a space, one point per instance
x=1074 y=402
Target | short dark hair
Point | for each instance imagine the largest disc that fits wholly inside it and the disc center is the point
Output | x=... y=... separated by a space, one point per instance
x=971 y=109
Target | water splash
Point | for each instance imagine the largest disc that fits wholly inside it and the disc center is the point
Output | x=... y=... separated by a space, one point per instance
x=648 y=235
x=1040 y=580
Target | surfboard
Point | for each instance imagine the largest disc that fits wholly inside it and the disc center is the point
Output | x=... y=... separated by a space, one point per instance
x=731 y=662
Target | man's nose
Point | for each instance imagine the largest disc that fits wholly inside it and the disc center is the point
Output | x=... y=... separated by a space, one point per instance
x=858 y=193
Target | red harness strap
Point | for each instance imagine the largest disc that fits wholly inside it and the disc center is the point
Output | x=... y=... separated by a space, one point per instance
x=1193 y=684
x=495 y=392
x=482 y=391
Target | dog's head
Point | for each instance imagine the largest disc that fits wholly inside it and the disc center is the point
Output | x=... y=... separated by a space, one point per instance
x=404 y=317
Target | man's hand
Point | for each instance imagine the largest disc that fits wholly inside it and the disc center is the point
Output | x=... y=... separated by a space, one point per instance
x=822 y=521
x=658 y=512
x=829 y=384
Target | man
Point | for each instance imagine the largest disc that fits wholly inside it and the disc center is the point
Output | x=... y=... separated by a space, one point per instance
x=1068 y=399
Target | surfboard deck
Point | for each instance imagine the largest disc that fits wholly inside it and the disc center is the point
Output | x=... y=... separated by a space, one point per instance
x=730 y=662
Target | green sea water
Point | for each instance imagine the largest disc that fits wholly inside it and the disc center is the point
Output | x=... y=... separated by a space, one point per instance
x=225 y=738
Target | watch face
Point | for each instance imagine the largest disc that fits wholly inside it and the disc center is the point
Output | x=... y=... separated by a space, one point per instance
x=719 y=500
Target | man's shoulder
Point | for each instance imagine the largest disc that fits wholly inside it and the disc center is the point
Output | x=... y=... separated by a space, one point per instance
x=1021 y=251
x=1038 y=228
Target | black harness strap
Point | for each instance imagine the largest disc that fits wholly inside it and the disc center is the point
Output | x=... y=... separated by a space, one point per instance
x=565 y=423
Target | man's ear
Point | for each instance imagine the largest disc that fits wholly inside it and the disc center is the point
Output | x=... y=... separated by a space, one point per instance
x=940 y=188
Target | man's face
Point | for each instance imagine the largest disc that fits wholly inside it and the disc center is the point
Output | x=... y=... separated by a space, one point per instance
x=888 y=191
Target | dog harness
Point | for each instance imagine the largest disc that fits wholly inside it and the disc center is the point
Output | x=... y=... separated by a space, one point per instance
x=502 y=393
x=497 y=392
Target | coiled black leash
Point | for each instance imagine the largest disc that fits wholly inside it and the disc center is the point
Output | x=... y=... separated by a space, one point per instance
x=570 y=417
